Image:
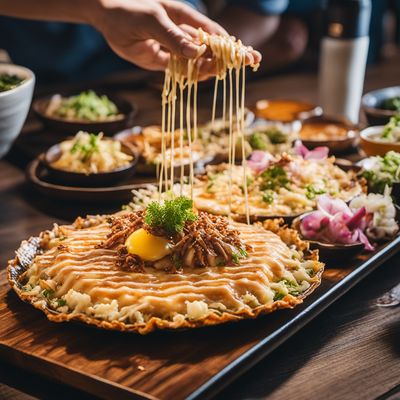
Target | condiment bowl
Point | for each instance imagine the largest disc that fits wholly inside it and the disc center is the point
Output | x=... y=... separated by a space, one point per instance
x=285 y=110
x=14 y=105
x=346 y=138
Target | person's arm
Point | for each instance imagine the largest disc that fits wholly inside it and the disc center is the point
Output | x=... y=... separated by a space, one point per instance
x=281 y=39
x=253 y=28
x=140 y=31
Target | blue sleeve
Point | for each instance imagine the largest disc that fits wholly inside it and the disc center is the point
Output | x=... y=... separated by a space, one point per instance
x=274 y=7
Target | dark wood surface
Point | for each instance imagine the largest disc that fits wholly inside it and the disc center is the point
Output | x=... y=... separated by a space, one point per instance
x=350 y=351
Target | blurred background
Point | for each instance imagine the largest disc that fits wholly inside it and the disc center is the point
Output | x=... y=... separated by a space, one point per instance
x=286 y=32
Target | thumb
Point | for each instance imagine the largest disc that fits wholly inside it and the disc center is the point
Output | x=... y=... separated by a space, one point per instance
x=169 y=35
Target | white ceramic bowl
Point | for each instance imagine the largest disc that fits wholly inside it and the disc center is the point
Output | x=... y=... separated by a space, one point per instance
x=14 y=105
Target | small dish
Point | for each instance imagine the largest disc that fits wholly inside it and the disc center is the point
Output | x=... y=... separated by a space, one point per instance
x=373 y=102
x=88 y=180
x=338 y=134
x=285 y=110
x=134 y=139
x=115 y=193
x=330 y=251
x=373 y=147
x=127 y=109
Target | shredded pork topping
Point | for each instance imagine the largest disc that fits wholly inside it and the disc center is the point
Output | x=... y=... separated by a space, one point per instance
x=209 y=241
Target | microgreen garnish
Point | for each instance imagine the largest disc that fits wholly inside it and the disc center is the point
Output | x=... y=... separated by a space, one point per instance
x=312 y=192
x=241 y=253
x=268 y=196
x=171 y=215
x=61 y=302
x=274 y=177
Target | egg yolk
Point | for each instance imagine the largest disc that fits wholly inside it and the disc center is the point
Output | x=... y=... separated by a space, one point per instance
x=147 y=246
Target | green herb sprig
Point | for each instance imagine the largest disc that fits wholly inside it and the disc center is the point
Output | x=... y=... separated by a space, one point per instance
x=171 y=216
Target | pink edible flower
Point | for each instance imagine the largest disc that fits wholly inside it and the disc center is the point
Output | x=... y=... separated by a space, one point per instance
x=334 y=222
x=259 y=161
x=319 y=153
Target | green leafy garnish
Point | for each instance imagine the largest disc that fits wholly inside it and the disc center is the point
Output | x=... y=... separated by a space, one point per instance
x=61 y=302
x=86 y=150
x=87 y=106
x=257 y=141
x=276 y=136
x=48 y=293
x=389 y=128
x=384 y=171
x=241 y=253
x=392 y=104
x=274 y=177
x=293 y=287
x=312 y=192
x=8 y=82
x=268 y=196
x=262 y=139
x=171 y=215
x=279 y=296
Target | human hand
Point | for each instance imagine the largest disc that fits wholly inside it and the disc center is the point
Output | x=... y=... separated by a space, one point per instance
x=145 y=32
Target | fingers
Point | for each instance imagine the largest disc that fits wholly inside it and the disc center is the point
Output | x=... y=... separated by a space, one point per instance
x=146 y=54
x=181 y=13
x=166 y=32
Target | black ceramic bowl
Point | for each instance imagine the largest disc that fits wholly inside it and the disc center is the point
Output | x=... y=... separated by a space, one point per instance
x=88 y=180
x=127 y=109
x=322 y=124
x=372 y=103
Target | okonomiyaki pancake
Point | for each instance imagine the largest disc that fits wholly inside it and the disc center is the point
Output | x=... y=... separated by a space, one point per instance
x=212 y=271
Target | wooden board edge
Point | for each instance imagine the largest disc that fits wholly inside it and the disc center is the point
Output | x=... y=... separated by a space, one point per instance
x=55 y=371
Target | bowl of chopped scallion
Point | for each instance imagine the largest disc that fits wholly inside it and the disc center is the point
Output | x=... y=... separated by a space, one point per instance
x=16 y=89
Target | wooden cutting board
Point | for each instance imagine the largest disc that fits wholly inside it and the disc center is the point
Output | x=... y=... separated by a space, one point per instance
x=164 y=365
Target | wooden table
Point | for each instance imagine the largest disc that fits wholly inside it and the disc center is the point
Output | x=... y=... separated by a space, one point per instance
x=352 y=350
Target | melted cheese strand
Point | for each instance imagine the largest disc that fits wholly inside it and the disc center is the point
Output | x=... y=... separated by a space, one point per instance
x=181 y=87
x=164 y=100
x=214 y=103
x=244 y=160
x=173 y=106
x=188 y=123
x=231 y=141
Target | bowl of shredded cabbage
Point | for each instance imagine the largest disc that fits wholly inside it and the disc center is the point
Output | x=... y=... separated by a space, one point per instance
x=88 y=111
x=88 y=159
